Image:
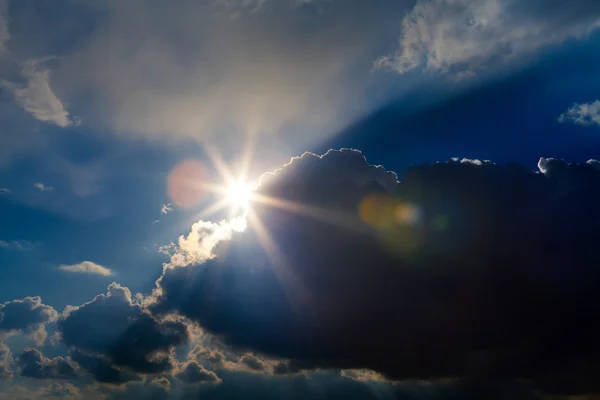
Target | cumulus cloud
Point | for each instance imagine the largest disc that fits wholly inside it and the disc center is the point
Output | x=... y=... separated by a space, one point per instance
x=585 y=114
x=61 y=389
x=86 y=267
x=36 y=96
x=192 y=372
x=6 y=361
x=33 y=364
x=42 y=187
x=113 y=332
x=28 y=315
x=464 y=269
x=465 y=37
x=252 y=362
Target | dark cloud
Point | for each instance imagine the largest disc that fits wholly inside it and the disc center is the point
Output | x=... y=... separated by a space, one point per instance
x=33 y=364
x=102 y=369
x=115 y=331
x=61 y=389
x=252 y=362
x=192 y=372
x=28 y=315
x=465 y=269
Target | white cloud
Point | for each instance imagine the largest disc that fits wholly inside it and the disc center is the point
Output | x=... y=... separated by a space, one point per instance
x=582 y=114
x=43 y=188
x=465 y=36
x=87 y=267
x=166 y=208
x=36 y=96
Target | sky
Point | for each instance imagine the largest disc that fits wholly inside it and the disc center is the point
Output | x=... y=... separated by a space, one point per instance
x=299 y=199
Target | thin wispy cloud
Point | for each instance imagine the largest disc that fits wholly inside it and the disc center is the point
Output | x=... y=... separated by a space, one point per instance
x=166 y=208
x=86 y=267
x=36 y=96
x=585 y=114
x=5 y=191
x=465 y=37
x=19 y=245
x=42 y=187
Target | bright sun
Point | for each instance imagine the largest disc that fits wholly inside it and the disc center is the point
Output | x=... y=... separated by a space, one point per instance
x=239 y=193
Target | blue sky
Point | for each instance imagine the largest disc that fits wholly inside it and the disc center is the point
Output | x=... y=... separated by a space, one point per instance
x=100 y=101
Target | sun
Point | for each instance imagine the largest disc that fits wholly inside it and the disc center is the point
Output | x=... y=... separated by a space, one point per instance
x=239 y=194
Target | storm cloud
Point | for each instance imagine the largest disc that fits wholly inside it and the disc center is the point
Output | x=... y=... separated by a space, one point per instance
x=112 y=332
x=464 y=269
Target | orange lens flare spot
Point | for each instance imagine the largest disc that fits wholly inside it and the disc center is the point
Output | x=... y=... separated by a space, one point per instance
x=185 y=184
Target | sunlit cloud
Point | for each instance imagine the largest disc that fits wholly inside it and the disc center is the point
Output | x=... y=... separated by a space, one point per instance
x=86 y=267
x=585 y=114
x=464 y=37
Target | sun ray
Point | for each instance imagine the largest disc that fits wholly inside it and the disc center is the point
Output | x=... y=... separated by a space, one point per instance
x=293 y=287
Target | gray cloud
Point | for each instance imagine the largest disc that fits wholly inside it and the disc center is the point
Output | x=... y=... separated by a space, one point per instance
x=114 y=332
x=193 y=372
x=61 y=389
x=28 y=315
x=33 y=364
x=465 y=37
x=214 y=69
x=6 y=361
x=86 y=267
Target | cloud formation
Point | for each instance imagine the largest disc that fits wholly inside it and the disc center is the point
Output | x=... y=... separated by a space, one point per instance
x=464 y=37
x=461 y=270
x=86 y=267
x=36 y=97
x=33 y=364
x=28 y=315
x=585 y=114
x=43 y=187
x=112 y=332
x=192 y=372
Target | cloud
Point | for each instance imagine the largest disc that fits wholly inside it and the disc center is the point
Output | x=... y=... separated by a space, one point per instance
x=28 y=315
x=166 y=208
x=87 y=267
x=464 y=269
x=20 y=245
x=215 y=70
x=61 y=389
x=113 y=332
x=33 y=364
x=5 y=191
x=42 y=187
x=464 y=37
x=192 y=372
x=6 y=362
x=36 y=96
x=252 y=362
x=4 y=32
x=585 y=114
